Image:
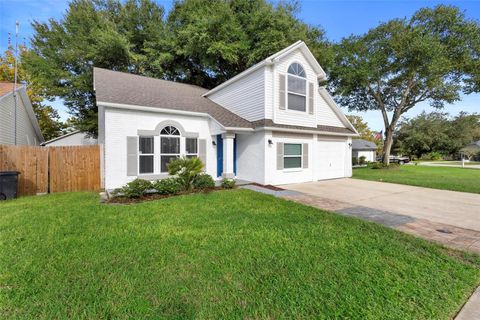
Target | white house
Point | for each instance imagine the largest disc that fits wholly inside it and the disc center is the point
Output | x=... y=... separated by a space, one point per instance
x=18 y=123
x=364 y=148
x=270 y=124
x=74 y=138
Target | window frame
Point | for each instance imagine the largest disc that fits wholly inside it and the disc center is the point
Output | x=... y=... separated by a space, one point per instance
x=293 y=156
x=288 y=92
x=191 y=155
x=161 y=154
x=140 y=154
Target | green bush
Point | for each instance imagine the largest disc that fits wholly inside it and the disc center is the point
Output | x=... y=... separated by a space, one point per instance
x=167 y=186
x=203 y=181
x=134 y=189
x=354 y=161
x=362 y=160
x=381 y=165
x=434 y=155
x=186 y=169
x=228 y=183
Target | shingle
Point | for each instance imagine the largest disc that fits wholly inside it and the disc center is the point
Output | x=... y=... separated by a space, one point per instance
x=125 y=88
x=360 y=144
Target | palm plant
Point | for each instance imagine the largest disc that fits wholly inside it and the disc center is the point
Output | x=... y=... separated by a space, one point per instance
x=186 y=169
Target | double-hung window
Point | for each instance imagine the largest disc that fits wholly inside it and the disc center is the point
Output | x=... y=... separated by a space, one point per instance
x=145 y=154
x=292 y=155
x=191 y=147
x=169 y=146
x=297 y=88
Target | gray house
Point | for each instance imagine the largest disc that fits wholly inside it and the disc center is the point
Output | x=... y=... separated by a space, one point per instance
x=364 y=148
x=471 y=151
x=17 y=125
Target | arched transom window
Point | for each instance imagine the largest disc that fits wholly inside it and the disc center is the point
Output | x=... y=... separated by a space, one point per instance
x=297 y=88
x=170 y=131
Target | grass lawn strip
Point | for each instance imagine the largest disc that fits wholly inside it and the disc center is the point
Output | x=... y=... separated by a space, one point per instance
x=225 y=254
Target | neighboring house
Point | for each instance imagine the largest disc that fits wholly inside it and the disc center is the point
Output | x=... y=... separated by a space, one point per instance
x=20 y=127
x=270 y=124
x=364 y=148
x=75 y=138
x=471 y=151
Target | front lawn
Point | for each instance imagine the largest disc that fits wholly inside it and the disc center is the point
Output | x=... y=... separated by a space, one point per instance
x=446 y=178
x=222 y=255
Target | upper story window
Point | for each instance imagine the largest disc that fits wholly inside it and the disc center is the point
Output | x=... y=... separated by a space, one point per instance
x=297 y=88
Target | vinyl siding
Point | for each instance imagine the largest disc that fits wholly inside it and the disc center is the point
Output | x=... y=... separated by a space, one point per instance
x=26 y=134
x=76 y=139
x=245 y=97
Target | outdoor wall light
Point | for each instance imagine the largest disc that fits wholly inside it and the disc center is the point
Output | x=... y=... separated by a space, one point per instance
x=270 y=142
x=350 y=145
x=214 y=143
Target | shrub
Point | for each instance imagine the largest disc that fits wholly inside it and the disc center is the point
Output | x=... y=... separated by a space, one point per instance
x=381 y=165
x=362 y=160
x=167 y=186
x=186 y=169
x=434 y=155
x=134 y=189
x=203 y=181
x=228 y=183
x=354 y=161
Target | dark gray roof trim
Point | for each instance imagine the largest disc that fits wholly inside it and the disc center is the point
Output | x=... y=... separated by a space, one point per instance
x=319 y=128
x=125 y=88
x=360 y=144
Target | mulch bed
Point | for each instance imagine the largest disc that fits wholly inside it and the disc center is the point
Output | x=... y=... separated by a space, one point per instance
x=268 y=186
x=156 y=196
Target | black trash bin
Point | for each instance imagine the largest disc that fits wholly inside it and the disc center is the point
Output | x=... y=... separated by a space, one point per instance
x=8 y=184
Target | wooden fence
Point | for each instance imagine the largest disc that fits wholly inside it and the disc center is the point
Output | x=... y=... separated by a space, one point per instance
x=53 y=169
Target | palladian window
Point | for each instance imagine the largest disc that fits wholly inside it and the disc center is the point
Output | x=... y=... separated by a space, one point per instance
x=169 y=146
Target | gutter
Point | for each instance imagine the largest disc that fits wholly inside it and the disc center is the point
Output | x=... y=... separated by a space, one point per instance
x=328 y=133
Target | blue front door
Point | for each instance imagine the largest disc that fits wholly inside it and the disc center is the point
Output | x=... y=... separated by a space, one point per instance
x=220 y=155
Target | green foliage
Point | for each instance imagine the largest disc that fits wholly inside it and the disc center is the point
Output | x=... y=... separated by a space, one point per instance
x=354 y=161
x=436 y=132
x=361 y=160
x=434 y=155
x=201 y=42
x=365 y=132
x=228 y=183
x=167 y=186
x=432 y=56
x=134 y=189
x=203 y=181
x=381 y=165
x=186 y=170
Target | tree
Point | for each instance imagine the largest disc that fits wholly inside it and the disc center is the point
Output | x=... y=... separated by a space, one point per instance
x=201 y=42
x=365 y=132
x=47 y=116
x=433 y=56
x=436 y=132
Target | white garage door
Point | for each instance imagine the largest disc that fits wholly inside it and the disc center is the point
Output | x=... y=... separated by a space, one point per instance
x=331 y=159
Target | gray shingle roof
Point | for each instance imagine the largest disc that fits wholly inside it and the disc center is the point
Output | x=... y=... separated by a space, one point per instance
x=360 y=144
x=125 y=88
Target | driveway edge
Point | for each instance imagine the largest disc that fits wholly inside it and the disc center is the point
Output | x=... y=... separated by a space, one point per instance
x=471 y=309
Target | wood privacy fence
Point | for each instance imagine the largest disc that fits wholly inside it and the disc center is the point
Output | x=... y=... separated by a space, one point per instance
x=53 y=169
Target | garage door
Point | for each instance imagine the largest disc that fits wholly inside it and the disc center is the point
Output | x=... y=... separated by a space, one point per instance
x=331 y=159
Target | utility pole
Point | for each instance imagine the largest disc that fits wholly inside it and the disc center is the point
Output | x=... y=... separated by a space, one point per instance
x=15 y=81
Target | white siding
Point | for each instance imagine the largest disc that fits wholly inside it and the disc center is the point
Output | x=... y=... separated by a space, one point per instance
x=76 y=139
x=325 y=115
x=26 y=134
x=369 y=155
x=245 y=97
x=119 y=124
x=251 y=156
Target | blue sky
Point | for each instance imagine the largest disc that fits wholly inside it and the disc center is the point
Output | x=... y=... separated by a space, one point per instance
x=338 y=18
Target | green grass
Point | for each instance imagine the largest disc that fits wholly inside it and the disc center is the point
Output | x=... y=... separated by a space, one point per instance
x=222 y=255
x=446 y=178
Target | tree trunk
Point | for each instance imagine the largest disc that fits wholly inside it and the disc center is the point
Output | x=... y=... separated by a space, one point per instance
x=387 y=145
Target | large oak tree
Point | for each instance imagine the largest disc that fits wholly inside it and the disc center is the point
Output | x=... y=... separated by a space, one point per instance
x=433 y=56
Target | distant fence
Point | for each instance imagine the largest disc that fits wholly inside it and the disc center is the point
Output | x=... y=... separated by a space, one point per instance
x=53 y=169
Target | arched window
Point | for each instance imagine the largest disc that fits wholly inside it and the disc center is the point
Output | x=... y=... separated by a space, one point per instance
x=297 y=88
x=169 y=146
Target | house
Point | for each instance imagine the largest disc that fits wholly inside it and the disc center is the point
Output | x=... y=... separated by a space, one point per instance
x=18 y=126
x=364 y=148
x=471 y=151
x=270 y=124
x=74 y=138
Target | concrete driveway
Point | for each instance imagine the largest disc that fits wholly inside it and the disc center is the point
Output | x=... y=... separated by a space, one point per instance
x=451 y=208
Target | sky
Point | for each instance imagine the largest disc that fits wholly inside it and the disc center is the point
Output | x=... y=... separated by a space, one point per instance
x=337 y=17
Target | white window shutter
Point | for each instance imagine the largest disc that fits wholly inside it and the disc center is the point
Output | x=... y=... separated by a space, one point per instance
x=202 y=152
x=279 y=155
x=305 y=155
x=281 y=91
x=132 y=156
x=310 y=97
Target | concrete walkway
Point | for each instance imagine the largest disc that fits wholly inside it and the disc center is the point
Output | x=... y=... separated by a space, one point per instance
x=448 y=217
